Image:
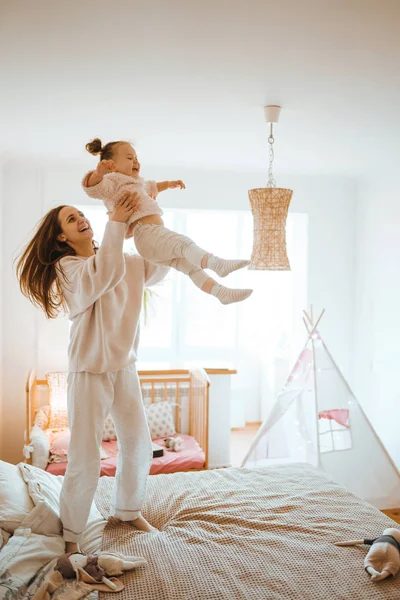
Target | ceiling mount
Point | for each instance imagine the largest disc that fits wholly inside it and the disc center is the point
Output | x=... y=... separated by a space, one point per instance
x=271 y=113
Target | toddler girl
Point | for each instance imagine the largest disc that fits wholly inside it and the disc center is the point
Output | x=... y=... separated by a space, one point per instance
x=118 y=172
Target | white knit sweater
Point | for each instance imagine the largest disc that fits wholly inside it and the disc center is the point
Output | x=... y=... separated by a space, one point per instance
x=113 y=185
x=104 y=296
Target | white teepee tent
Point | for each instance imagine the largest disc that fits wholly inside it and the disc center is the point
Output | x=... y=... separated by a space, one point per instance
x=318 y=420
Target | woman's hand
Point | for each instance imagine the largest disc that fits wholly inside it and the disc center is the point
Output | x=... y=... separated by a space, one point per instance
x=125 y=208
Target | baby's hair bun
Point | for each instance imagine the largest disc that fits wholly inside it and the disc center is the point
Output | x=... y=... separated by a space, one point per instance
x=95 y=146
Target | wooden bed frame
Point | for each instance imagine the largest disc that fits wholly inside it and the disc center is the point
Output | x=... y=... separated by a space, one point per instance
x=199 y=385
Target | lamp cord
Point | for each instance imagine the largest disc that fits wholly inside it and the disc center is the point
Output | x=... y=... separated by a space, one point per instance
x=271 y=180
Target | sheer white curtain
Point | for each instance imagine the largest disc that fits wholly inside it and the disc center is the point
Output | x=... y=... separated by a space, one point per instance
x=260 y=337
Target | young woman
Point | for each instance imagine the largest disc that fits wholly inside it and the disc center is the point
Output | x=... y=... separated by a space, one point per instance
x=102 y=288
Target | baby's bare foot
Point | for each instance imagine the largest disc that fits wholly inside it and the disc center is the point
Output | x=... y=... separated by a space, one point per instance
x=143 y=525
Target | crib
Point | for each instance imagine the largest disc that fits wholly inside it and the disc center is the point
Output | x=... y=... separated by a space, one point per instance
x=186 y=394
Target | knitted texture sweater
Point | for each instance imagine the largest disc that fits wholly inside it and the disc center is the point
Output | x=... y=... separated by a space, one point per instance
x=112 y=187
x=104 y=295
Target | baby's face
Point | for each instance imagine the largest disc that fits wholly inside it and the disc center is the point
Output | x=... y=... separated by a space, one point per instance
x=125 y=160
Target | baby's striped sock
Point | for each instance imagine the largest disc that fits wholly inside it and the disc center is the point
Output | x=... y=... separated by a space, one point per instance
x=228 y=295
x=223 y=267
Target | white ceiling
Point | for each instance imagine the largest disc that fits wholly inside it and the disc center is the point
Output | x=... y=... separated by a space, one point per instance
x=187 y=80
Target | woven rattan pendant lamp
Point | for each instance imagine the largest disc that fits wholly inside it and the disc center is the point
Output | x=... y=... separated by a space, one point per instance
x=270 y=207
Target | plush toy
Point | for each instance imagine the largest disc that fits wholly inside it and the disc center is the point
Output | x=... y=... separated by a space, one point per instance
x=96 y=568
x=383 y=558
x=174 y=443
x=116 y=564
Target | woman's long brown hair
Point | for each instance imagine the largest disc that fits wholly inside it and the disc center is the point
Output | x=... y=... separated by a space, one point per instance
x=36 y=267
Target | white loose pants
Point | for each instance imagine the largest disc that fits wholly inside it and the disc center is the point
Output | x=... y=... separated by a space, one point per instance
x=91 y=397
x=165 y=247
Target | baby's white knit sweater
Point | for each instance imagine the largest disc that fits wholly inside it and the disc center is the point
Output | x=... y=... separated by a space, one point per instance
x=104 y=295
x=112 y=187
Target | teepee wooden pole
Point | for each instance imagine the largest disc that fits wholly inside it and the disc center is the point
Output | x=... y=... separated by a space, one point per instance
x=318 y=320
x=311 y=336
x=311 y=328
x=307 y=327
x=316 y=401
x=308 y=317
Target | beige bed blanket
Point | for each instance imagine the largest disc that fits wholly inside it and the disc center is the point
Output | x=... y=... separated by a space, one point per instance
x=248 y=534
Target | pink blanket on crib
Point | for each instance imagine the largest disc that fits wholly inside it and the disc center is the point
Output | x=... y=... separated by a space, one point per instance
x=190 y=458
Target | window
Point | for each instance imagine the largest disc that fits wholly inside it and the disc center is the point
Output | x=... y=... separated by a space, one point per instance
x=260 y=337
x=334 y=430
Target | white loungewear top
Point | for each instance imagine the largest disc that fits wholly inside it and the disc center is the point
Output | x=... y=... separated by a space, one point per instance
x=104 y=295
x=114 y=185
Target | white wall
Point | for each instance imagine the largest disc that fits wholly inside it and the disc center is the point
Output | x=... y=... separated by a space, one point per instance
x=1 y=294
x=21 y=210
x=328 y=201
x=377 y=301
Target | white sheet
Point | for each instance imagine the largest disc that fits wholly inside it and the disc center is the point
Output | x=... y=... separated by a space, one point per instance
x=38 y=539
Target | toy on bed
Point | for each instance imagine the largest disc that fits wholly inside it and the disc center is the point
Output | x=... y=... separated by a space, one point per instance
x=174 y=443
x=97 y=568
x=383 y=558
x=91 y=572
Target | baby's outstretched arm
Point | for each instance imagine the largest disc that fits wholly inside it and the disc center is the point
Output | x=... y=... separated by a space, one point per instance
x=166 y=185
x=104 y=167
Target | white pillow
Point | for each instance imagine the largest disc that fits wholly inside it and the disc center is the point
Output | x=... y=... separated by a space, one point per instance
x=47 y=487
x=15 y=502
x=109 y=430
x=45 y=484
x=41 y=447
x=160 y=417
x=160 y=420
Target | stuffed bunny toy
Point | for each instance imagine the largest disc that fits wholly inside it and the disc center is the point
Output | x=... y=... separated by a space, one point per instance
x=174 y=443
x=96 y=568
x=383 y=558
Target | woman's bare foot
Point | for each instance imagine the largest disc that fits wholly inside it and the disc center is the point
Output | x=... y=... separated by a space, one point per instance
x=143 y=525
x=71 y=547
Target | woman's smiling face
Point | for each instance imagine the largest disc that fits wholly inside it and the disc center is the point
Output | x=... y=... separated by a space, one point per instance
x=74 y=226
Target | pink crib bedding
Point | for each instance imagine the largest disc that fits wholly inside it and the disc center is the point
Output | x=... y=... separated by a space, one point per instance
x=190 y=458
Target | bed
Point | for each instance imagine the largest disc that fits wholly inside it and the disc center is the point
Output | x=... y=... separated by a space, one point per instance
x=181 y=400
x=231 y=534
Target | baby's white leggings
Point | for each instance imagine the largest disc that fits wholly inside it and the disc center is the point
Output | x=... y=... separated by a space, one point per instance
x=91 y=397
x=165 y=247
